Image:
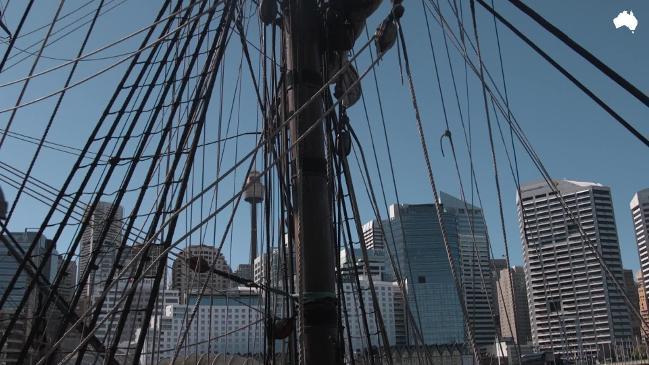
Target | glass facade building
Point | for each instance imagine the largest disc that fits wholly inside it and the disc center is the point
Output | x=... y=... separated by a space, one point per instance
x=414 y=236
x=473 y=241
x=8 y=267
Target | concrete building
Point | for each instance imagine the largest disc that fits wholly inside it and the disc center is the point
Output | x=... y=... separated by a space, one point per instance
x=69 y=281
x=631 y=290
x=187 y=281
x=643 y=307
x=514 y=316
x=373 y=235
x=259 y=269
x=475 y=259
x=109 y=316
x=497 y=265
x=386 y=294
x=105 y=249
x=640 y=214
x=244 y=271
x=377 y=259
x=575 y=308
x=228 y=323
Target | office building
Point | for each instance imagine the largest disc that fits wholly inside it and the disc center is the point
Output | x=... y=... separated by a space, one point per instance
x=24 y=323
x=643 y=307
x=631 y=290
x=385 y=295
x=104 y=249
x=475 y=259
x=69 y=281
x=187 y=281
x=235 y=319
x=377 y=262
x=512 y=302
x=414 y=232
x=576 y=310
x=373 y=236
x=275 y=275
x=640 y=214
x=497 y=265
x=244 y=271
x=113 y=306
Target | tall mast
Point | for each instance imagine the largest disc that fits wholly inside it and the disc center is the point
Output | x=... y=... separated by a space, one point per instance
x=314 y=248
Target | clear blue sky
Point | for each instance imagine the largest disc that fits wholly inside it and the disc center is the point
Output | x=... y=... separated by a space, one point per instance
x=573 y=136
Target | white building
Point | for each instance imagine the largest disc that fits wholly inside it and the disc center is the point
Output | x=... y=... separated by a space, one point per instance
x=113 y=305
x=373 y=235
x=640 y=213
x=229 y=324
x=376 y=260
x=386 y=293
x=575 y=308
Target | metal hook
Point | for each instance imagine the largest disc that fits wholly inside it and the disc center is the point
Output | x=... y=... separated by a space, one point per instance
x=447 y=133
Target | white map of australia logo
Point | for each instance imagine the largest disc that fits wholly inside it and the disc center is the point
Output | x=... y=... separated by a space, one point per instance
x=626 y=19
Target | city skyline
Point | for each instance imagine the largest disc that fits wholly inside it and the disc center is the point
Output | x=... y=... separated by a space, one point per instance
x=324 y=182
x=454 y=211
x=568 y=156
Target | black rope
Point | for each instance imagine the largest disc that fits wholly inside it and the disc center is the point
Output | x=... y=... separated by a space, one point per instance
x=62 y=193
x=568 y=75
x=457 y=279
x=563 y=37
x=12 y=41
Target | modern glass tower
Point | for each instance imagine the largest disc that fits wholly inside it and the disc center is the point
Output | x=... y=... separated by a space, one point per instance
x=415 y=239
x=24 y=324
x=473 y=242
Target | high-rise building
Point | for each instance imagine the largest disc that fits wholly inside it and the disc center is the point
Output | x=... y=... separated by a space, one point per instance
x=91 y=242
x=376 y=258
x=514 y=316
x=259 y=269
x=643 y=308
x=113 y=305
x=244 y=271
x=69 y=281
x=187 y=281
x=25 y=323
x=475 y=259
x=373 y=235
x=575 y=308
x=3 y=205
x=497 y=265
x=631 y=290
x=469 y=242
x=640 y=214
x=414 y=232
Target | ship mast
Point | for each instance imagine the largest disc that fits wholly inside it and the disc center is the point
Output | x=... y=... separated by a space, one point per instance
x=302 y=27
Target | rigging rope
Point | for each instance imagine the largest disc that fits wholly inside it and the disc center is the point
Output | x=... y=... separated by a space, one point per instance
x=451 y=259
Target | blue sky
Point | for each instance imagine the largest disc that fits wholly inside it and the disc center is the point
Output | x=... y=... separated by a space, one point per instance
x=572 y=135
